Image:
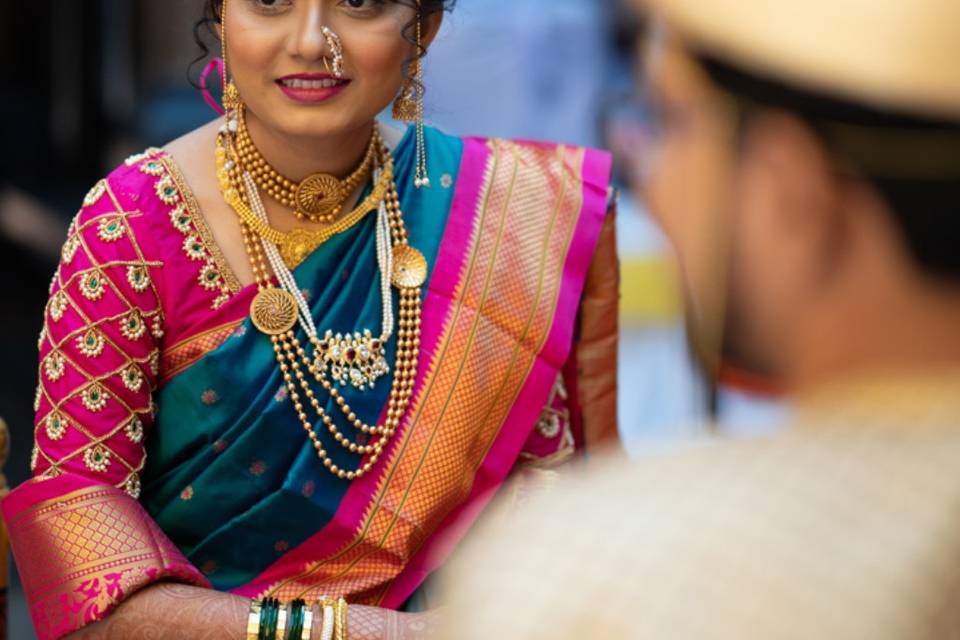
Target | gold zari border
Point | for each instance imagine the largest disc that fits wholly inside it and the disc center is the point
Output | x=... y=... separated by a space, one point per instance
x=501 y=316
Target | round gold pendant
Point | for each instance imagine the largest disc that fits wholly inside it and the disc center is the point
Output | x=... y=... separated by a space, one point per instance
x=409 y=267
x=320 y=194
x=274 y=311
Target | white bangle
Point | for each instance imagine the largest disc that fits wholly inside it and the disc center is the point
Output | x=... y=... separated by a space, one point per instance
x=326 y=631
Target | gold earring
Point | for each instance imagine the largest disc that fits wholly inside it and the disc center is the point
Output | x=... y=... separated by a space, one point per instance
x=231 y=95
x=405 y=106
x=408 y=107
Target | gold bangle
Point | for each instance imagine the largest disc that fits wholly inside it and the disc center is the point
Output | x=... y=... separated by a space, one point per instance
x=341 y=619
x=307 y=624
x=253 y=621
x=281 y=624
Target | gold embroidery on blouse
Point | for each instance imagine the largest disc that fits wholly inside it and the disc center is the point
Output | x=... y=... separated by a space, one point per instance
x=134 y=430
x=110 y=229
x=196 y=223
x=132 y=326
x=56 y=426
x=97 y=458
x=90 y=341
x=54 y=366
x=95 y=193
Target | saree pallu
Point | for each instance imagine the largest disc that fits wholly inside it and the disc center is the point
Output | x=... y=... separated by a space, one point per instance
x=232 y=494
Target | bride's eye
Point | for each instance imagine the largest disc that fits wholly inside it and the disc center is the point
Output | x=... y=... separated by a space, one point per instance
x=268 y=6
x=362 y=6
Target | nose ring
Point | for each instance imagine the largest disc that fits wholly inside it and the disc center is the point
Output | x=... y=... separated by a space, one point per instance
x=336 y=49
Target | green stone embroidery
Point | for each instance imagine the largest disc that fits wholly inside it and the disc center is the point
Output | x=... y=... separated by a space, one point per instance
x=94 y=397
x=138 y=278
x=132 y=486
x=167 y=190
x=152 y=168
x=194 y=248
x=132 y=378
x=54 y=366
x=56 y=426
x=132 y=327
x=91 y=343
x=110 y=229
x=92 y=286
x=134 y=430
x=95 y=193
x=180 y=218
x=209 y=277
x=97 y=458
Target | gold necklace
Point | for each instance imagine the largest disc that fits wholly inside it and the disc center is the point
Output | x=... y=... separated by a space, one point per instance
x=318 y=197
x=297 y=244
x=274 y=312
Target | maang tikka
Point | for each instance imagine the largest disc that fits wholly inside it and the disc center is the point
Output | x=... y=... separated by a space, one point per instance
x=408 y=107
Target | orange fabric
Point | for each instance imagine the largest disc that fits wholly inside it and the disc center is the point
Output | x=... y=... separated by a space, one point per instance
x=596 y=345
x=80 y=554
x=182 y=356
x=530 y=206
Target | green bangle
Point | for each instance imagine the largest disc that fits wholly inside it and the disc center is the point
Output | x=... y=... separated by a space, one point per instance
x=269 y=616
x=295 y=628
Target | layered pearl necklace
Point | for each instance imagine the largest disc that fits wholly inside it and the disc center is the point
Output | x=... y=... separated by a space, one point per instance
x=357 y=359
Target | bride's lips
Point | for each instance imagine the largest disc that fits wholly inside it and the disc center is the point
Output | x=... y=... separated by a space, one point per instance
x=311 y=87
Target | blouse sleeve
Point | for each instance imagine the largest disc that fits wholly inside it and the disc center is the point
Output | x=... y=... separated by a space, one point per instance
x=99 y=351
x=82 y=541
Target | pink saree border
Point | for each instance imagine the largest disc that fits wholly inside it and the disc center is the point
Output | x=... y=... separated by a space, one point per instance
x=438 y=304
x=498 y=462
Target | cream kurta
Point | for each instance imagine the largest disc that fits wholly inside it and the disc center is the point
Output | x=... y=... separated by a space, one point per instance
x=846 y=525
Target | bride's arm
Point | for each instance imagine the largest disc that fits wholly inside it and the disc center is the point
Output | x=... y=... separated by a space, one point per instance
x=167 y=610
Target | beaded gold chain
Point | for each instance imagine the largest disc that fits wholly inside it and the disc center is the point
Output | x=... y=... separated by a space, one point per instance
x=297 y=244
x=409 y=270
x=318 y=197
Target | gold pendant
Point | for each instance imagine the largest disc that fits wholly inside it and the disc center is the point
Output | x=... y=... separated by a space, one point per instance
x=409 y=267
x=273 y=311
x=299 y=244
x=320 y=195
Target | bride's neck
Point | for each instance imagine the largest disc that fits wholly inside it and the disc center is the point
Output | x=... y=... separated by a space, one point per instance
x=297 y=157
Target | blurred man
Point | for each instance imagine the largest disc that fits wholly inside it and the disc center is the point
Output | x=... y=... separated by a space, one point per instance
x=808 y=174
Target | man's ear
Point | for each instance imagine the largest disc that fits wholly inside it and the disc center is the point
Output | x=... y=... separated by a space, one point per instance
x=794 y=176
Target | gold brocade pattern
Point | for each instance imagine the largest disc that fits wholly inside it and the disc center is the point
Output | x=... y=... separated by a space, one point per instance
x=81 y=554
x=502 y=312
x=181 y=356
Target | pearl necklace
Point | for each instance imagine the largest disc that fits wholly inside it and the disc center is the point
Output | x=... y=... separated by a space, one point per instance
x=275 y=312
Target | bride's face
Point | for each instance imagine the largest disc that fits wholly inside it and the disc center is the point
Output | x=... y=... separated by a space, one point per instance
x=281 y=60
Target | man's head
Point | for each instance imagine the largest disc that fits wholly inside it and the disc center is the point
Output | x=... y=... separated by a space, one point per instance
x=803 y=198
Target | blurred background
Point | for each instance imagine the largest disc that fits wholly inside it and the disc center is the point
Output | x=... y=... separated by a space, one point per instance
x=88 y=82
